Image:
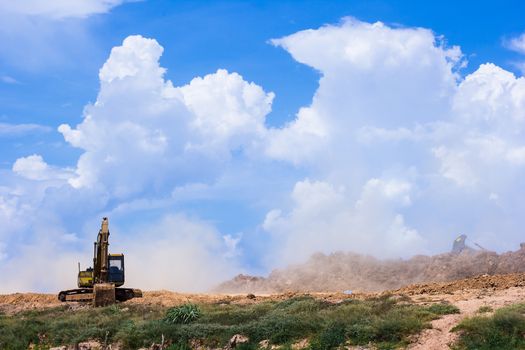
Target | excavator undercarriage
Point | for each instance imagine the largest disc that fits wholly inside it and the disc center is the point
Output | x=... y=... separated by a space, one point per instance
x=87 y=294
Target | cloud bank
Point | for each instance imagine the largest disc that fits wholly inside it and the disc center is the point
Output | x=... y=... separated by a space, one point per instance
x=396 y=154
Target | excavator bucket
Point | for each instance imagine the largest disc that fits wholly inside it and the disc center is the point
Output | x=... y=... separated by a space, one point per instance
x=104 y=294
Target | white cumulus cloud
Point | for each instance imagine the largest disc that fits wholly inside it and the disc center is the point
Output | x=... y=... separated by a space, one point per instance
x=371 y=75
x=35 y=168
x=142 y=132
x=391 y=103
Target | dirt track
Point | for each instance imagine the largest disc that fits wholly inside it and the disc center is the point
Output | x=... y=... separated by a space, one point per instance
x=468 y=295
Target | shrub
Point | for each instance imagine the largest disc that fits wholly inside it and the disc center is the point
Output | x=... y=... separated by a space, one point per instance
x=330 y=337
x=443 y=308
x=182 y=314
x=504 y=330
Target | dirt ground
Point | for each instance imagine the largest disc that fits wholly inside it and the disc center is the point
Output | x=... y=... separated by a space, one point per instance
x=17 y=302
x=467 y=294
x=468 y=301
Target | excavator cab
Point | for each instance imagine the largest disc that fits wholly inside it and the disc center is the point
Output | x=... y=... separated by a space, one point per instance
x=116 y=269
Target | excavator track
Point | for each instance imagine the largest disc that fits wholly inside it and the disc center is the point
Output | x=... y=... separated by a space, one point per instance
x=87 y=294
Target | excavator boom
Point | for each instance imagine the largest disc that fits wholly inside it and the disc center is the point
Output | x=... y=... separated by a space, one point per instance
x=101 y=254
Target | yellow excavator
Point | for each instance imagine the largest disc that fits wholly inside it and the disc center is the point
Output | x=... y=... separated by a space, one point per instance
x=101 y=283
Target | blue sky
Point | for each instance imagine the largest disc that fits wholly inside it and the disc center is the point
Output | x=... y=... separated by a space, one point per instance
x=293 y=149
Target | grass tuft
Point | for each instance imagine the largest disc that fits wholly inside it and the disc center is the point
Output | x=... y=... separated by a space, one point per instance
x=443 y=308
x=182 y=314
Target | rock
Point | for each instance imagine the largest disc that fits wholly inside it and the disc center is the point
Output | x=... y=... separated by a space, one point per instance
x=154 y=346
x=302 y=344
x=90 y=345
x=264 y=344
x=236 y=340
x=87 y=345
x=251 y=296
x=198 y=344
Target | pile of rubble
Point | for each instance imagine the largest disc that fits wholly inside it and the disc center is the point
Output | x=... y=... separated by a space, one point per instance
x=13 y=303
x=483 y=282
x=354 y=272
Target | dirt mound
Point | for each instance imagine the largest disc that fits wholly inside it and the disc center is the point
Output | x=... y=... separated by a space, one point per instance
x=10 y=303
x=495 y=282
x=349 y=271
x=29 y=299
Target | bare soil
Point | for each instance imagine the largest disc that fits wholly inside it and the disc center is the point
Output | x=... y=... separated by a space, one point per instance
x=440 y=336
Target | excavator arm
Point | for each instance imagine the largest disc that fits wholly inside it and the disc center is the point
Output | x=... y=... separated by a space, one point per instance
x=100 y=256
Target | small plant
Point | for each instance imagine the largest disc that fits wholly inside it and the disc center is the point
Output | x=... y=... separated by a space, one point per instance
x=331 y=337
x=443 y=308
x=484 y=309
x=182 y=314
x=112 y=309
x=178 y=346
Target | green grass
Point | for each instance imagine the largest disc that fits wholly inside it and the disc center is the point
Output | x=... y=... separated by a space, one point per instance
x=504 y=330
x=182 y=314
x=381 y=321
x=443 y=309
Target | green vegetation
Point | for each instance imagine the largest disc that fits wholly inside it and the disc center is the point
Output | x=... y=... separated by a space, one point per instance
x=443 y=309
x=182 y=314
x=382 y=321
x=504 y=330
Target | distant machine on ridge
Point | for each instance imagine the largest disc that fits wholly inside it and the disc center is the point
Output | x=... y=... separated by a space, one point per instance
x=459 y=245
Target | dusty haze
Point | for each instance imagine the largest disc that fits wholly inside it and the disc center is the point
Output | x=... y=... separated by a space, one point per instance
x=349 y=271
